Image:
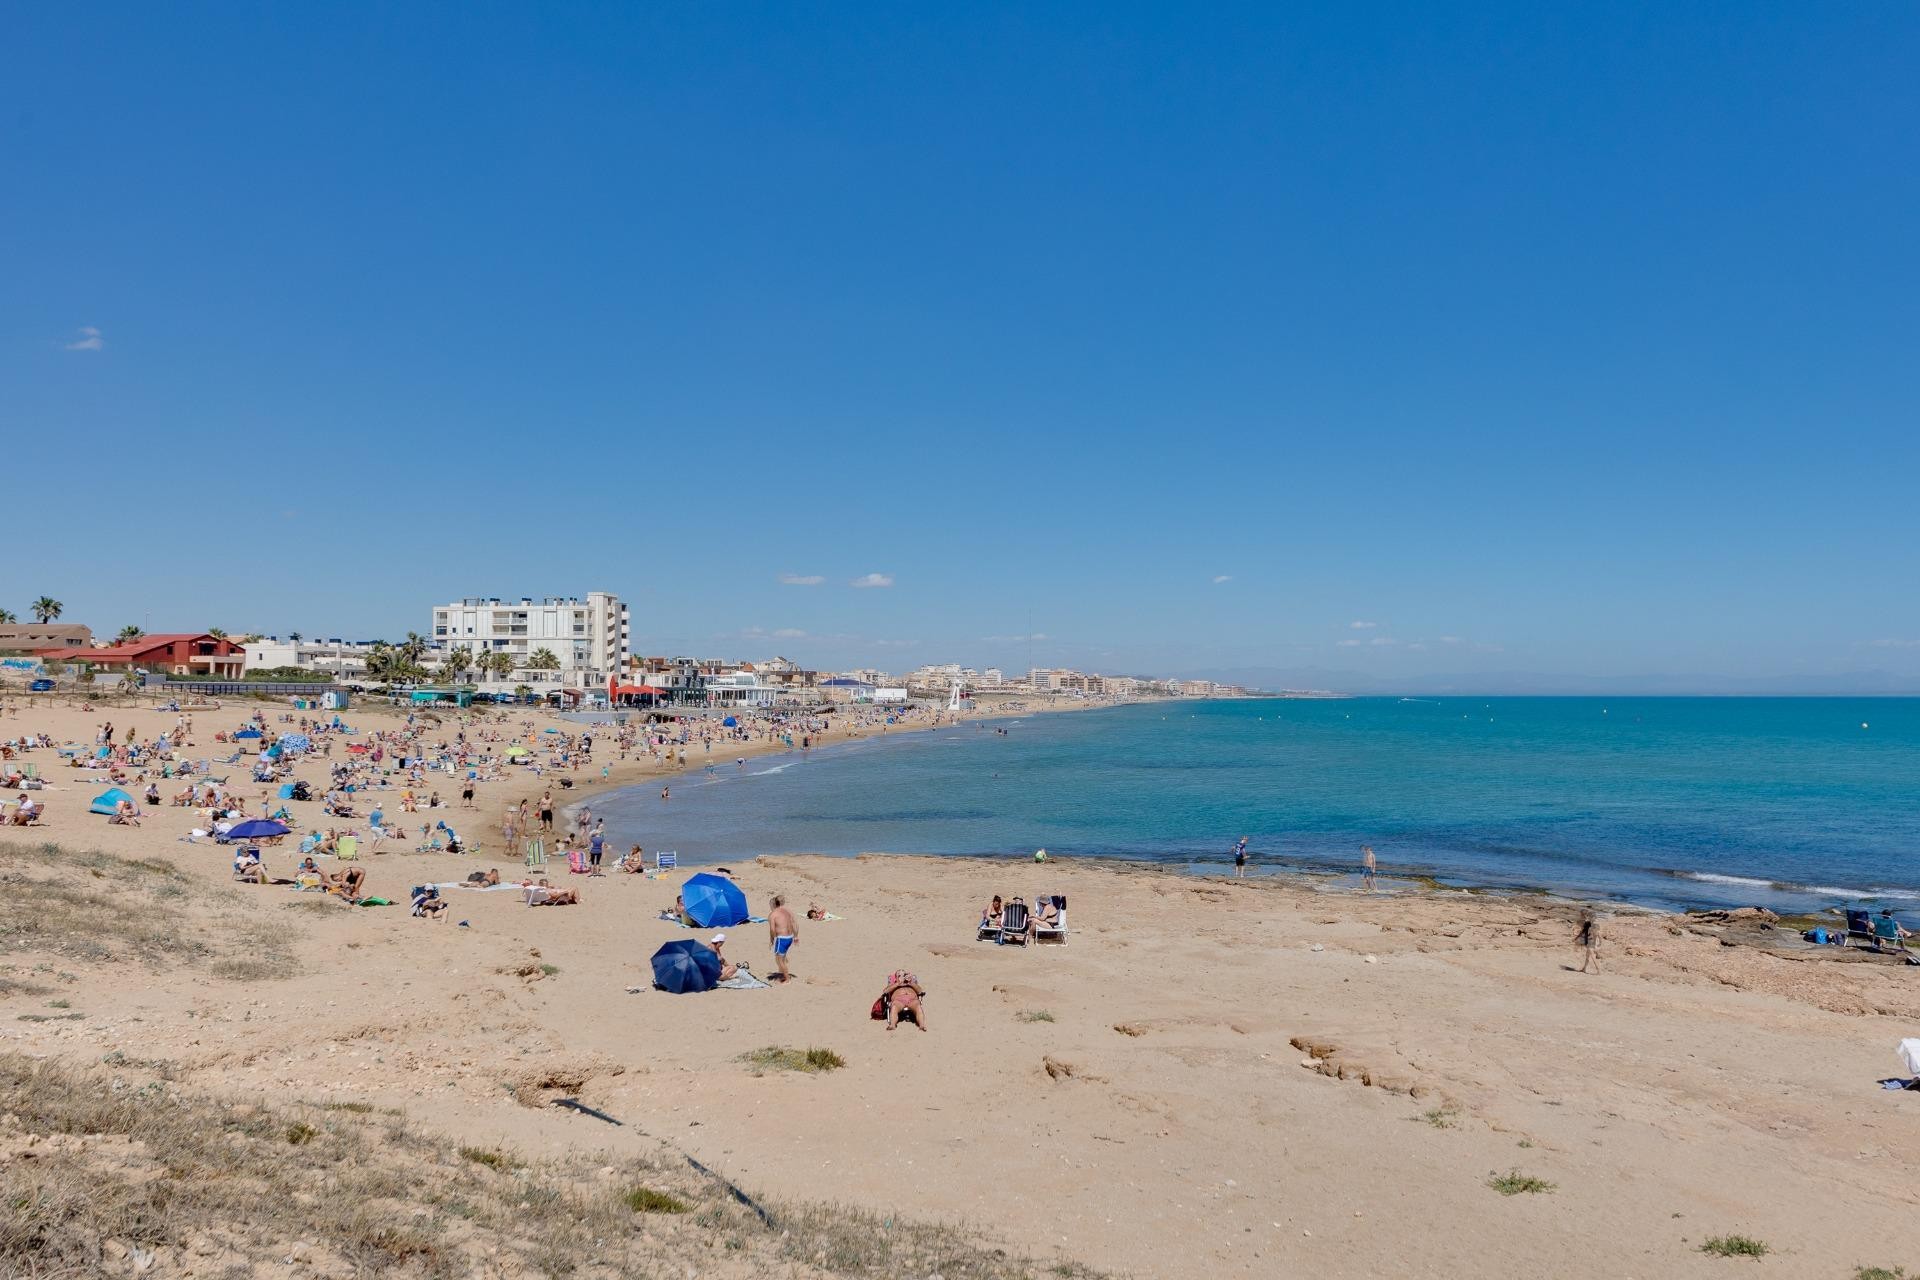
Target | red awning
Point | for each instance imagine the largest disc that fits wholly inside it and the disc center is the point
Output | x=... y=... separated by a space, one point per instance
x=638 y=689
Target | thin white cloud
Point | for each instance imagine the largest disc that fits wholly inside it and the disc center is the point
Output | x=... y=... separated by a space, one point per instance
x=1890 y=643
x=801 y=579
x=789 y=633
x=1361 y=626
x=1418 y=646
x=1219 y=578
x=1453 y=640
x=1383 y=640
x=873 y=580
x=1350 y=644
x=1038 y=635
x=896 y=644
x=89 y=340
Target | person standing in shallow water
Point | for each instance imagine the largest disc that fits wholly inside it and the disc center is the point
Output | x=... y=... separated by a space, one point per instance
x=1589 y=940
x=1240 y=858
x=1367 y=867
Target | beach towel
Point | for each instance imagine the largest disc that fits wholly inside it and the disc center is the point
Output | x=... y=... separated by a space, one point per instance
x=742 y=981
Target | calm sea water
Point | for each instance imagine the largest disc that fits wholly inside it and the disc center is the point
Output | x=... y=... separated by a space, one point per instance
x=1674 y=802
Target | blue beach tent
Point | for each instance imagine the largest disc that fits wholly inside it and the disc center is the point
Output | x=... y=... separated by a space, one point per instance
x=685 y=965
x=714 y=902
x=247 y=733
x=107 y=801
x=257 y=829
x=730 y=723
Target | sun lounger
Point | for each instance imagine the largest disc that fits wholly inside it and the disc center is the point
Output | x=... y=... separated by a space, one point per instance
x=665 y=860
x=989 y=930
x=1013 y=924
x=1056 y=932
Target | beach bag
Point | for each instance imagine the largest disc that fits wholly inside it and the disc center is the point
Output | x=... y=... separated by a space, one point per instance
x=880 y=1009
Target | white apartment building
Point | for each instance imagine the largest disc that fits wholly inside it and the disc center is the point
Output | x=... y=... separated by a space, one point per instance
x=589 y=638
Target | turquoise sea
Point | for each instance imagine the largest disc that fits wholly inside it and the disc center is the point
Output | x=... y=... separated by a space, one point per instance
x=1790 y=803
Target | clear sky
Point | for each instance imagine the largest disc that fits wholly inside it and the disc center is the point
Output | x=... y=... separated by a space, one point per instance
x=1189 y=338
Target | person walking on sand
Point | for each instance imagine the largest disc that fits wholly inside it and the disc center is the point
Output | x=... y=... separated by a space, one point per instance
x=1367 y=867
x=782 y=933
x=1240 y=858
x=1589 y=939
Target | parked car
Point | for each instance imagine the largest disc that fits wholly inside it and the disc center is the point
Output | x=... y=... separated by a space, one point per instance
x=41 y=686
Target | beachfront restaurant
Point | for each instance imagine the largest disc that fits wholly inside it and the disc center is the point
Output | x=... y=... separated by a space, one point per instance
x=738 y=689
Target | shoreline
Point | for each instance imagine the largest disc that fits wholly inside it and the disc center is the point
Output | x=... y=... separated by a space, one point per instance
x=1330 y=876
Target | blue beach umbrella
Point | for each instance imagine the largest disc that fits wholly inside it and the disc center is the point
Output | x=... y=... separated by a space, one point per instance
x=296 y=742
x=246 y=733
x=684 y=965
x=107 y=801
x=729 y=723
x=713 y=902
x=257 y=829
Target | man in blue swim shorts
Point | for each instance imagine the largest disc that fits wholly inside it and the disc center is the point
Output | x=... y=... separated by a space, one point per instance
x=782 y=932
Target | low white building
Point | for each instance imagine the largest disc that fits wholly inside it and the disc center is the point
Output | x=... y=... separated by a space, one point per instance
x=738 y=689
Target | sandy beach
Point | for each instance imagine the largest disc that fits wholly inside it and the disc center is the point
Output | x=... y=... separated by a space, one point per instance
x=1258 y=1077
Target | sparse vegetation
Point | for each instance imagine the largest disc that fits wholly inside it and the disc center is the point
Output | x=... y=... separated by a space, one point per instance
x=777 y=1058
x=1881 y=1273
x=550 y=970
x=1035 y=1015
x=53 y=906
x=1442 y=1118
x=1129 y=1029
x=301 y=1133
x=148 y=1167
x=1515 y=1183
x=1736 y=1247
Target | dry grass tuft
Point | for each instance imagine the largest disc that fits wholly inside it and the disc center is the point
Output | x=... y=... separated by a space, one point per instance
x=776 y=1058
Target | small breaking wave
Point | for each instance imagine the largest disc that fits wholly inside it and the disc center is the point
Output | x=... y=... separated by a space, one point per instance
x=1789 y=886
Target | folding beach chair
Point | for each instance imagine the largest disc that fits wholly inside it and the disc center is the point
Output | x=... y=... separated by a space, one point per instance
x=577 y=861
x=1886 y=935
x=1860 y=925
x=347 y=848
x=665 y=860
x=1013 y=923
x=536 y=852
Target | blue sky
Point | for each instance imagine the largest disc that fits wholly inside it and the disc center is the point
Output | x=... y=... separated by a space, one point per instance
x=1543 y=338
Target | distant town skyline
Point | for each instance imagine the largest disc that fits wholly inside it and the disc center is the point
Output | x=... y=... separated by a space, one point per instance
x=1403 y=346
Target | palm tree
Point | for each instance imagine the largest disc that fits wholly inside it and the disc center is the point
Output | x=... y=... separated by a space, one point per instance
x=128 y=634
x=414 y=647
x=6 y=615
x=522 y=690
x=543 y=660
x=458 y=662
x=501 y=662
x=216 y=633
x=46 y=609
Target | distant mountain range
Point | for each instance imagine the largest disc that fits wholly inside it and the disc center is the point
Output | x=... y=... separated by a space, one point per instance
x=1520 y=683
